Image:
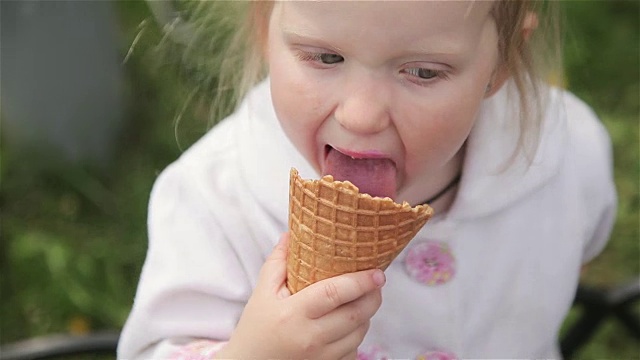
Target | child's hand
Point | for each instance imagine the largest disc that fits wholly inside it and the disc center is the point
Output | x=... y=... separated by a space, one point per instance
x=326 y=320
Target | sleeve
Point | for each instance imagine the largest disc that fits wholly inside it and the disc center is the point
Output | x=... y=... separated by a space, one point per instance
x=601 y=234
x=193 y=286
x=594 y=155
x=605 y=193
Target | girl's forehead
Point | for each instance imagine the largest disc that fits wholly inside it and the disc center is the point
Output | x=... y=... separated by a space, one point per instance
x=389 y=15
x=455 y=9
x=393 y=20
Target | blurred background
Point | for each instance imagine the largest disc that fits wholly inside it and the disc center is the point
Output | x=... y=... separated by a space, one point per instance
x=93 y=108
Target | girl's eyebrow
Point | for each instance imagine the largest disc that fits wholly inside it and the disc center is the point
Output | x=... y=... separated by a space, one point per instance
x=292 y=35
x=288 y=32
x=297 y=31
x=449 y=49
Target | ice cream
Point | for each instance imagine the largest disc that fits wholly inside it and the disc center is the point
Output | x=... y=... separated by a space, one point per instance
x=335 y=229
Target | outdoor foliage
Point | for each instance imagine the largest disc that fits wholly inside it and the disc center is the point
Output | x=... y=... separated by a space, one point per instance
x=73 y=237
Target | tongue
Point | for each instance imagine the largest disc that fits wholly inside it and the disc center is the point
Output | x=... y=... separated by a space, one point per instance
x=376 y=177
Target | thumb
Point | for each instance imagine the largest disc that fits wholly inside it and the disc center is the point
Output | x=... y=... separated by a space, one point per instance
x=273 y=274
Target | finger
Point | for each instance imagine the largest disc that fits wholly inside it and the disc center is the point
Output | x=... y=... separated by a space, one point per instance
x=274 y=270
x=350 y=316
x=326 y=295
x=351 y=356
x=347 y=347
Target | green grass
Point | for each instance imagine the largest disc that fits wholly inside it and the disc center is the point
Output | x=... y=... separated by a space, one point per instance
x=73 y=238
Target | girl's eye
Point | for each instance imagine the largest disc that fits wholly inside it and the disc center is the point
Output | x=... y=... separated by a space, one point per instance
x=322 y=58
x=329 y=59
x=423 y=73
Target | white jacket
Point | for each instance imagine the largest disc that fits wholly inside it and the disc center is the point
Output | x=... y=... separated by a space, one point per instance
x=519 y=237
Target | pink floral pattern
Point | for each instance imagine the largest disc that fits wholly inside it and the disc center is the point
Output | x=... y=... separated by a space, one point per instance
x=198 y=350
x=430 y=263
x=436 y=355
x=372 y=352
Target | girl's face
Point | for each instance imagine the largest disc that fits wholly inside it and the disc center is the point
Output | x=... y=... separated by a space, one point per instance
x=394 y=84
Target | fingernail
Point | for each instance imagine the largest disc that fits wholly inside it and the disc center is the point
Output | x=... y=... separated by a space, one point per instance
x=379 y=278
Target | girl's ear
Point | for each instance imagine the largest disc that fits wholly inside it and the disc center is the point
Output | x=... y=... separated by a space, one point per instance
x=499 y=77
x=529 y=24
x=501 y=74
x=259 y=17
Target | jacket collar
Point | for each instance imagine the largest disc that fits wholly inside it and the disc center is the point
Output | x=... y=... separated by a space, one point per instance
x=266 y=153
x=492 y=177
x=491 y=180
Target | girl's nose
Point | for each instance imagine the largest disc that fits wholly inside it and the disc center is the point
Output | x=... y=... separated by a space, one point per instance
x=363 y=107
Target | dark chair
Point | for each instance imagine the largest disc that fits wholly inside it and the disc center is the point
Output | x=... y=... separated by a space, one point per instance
x=61 y=346
x=597 y=305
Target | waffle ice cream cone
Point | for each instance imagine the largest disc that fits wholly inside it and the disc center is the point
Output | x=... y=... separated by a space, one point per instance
x=336 y=230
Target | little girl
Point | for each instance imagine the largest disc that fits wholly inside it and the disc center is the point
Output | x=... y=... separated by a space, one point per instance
x=434 y=102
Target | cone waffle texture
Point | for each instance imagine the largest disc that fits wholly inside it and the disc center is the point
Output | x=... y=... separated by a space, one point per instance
x=336 y=230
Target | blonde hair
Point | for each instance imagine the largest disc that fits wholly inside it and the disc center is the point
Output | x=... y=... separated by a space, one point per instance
x=240 y=62
x=529 y=61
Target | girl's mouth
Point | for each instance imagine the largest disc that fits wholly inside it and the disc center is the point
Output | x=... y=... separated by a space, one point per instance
x=371 y=171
